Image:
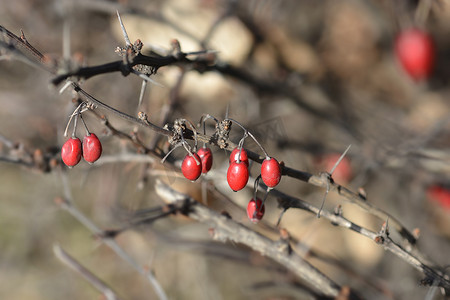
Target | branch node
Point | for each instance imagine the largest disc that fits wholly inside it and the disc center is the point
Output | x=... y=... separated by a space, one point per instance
x=283 y=244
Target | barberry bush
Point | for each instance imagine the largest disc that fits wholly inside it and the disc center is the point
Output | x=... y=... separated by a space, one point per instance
x=224 y=149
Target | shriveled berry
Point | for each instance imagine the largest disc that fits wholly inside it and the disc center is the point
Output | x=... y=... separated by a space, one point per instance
x=270 y=172
x=237 y=175
x=205 y=155
x=235 y=155
x=190 y=169
x=71 y=152
x=255 y=210
x=92 y=148
x=414 y=49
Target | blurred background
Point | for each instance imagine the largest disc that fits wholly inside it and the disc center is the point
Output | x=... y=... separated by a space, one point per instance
x=318 y=76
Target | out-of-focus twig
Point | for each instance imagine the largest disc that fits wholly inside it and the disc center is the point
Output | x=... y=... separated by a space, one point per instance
x=67 y=204
x=72 y=263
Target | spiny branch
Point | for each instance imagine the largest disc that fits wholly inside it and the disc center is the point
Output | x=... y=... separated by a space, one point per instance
x=285 y=201
x=225 y=229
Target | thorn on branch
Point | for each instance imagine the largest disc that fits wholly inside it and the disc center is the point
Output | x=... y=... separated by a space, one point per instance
x=226 y=214
x=283 y=243
x=124 y=32
x=362 y=194
x=383 y=234
x=337 y=212
x=379 y=240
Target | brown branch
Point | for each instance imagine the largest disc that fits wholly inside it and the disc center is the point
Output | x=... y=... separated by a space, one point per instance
x=143 y=121
x=120 y=66
x=285 y=201
x=227 y=229
x=361 y=202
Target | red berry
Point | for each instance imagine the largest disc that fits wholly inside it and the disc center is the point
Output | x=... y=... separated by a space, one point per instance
x=235 y=155
x=92 y=148
x=440 y=195
x=237 y=175
x=207 y=159
x=415 y=51
x=255 y=210
x=190 y=169
x=270 y=172
x=71 y=151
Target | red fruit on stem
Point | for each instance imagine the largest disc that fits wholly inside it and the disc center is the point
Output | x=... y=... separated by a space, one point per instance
x=414 y=49
x=71 y=152
x=255 y=210
x=237 y=175
x=205 y=155
x=92 y=148
x=440 y=195
x=235 y=155
x=270 y=172
x=190 y=169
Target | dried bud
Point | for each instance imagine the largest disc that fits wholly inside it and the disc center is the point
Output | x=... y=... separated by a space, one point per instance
x=379 y=239
x=284 y=234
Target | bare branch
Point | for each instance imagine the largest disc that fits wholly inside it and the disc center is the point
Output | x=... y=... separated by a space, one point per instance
x=227 y=229
x=67 y=204
x=286 y=202
x=72 y=263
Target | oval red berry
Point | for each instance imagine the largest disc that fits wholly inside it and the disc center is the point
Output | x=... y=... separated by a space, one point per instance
x=190 y=169
x=92 y=148
x=414 y=49
x=270 y=172
x=235 y=155
x=71 y=152
x=255 y=210
x=205 y=155
x=237 y=175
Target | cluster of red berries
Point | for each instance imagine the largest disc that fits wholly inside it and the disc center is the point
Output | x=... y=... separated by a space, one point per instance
x=197 y=163
x=73 y=149
x=237 y=175
x=414 y=48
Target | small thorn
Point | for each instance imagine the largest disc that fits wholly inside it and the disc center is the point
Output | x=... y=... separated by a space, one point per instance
x=362 y=193
x=281 y=215
x=124 y=32
x=201 y=52
x=65 y=86
x=146 y=78
x=340 y=159
x=66 y=40
x=227 y=110
x=323 y=200
x=22 y=36
x=141 y=95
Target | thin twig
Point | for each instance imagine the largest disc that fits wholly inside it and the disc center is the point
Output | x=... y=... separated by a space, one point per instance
x=67 y=204
x=125 y=116
x=72 y=263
